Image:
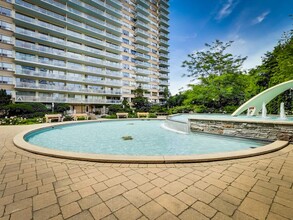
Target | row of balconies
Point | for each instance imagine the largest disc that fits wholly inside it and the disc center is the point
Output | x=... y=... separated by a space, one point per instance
x=97 y=3
x=66 y=55
x=63 y=31
x=64 y=19
x=38 y=74
x=25 y=85
x=63 y=65
x=97 y=11
x=66 y=100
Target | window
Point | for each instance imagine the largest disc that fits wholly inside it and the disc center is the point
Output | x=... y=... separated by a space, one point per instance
x=6 y=26
x=125 y=32
x=6 y=66
x=5 y=53
x=126 y=58
x=5 y=11
x=5 y=80
x=126 y=41
x=5 y=39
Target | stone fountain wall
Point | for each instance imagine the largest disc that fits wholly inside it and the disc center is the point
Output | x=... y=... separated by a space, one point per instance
x=263 y=130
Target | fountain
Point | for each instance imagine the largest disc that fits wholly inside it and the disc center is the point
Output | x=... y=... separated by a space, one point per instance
x=264 y=110
x=282 y=111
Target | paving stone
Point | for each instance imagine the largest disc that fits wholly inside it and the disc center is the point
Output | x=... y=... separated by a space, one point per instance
x=70 y=210
x=136 y=197
x=199 y=194
x=117 y=203
x=159 y=182
x=191 y=214
x=174 y=188
x=241 y=216
x=89 y=201
x=221 y=216
x=69 y=198
x=85 y=215
x=128 y=213
x=282 y=210
x=44 y=200
x=25 y=214
x=171 y=204
x=204 y=209
x=17 y=206
x=223 y=206
x=273 y=216
x=25 y=194
x=167 y=216
x=47 y=212
x=187 y=199
x=152 y=210
x=111 y=192
x=100 y=211
x=154 y=193
x=254 y=208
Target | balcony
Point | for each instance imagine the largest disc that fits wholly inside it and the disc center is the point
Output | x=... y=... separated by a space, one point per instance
x=164 y=36
x=144 y=3
x=163 y=69
x=164 y=56
x=142 y=48
x=142 y=64
x=165 y=83
x=164 y=29
x=142 y=10
x=163 y=63
x=142 y=33
x=142 y=41
x=164 y=43
x=142 y=25
x=163 y=76
x=163 y=49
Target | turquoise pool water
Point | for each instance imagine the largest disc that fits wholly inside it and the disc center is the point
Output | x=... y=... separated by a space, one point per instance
x=149 y=139
x=184 y=117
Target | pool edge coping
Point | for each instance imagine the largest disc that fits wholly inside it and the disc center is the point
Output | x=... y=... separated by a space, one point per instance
x=19 y=142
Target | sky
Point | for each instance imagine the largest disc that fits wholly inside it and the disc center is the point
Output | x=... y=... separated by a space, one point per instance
x=255 y=26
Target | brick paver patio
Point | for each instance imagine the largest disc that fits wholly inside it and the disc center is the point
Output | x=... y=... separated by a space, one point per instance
x=39 y=187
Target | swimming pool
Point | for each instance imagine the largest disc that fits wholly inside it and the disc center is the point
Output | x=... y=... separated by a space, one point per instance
x=148 y=139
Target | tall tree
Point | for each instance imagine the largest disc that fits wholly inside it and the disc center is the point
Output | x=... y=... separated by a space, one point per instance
x=140 y=103
x=5 y=99
x=215 y=60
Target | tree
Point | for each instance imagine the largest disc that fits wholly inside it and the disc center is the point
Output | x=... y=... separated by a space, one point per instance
x=213 y=61
x=5 y=99
x=140 y=103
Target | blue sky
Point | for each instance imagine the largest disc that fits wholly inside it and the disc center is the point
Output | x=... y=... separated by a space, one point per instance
x=255 y=26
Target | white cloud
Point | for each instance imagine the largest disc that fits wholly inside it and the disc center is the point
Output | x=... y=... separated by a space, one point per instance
x=260 y=18
x=226 y=9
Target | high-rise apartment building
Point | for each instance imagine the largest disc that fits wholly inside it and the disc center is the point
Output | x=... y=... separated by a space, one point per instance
x=87 y=53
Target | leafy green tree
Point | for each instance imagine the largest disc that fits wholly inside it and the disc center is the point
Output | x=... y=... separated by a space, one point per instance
x=215 y=60
x=140 y=103
x=61 y=107
x=5 y=99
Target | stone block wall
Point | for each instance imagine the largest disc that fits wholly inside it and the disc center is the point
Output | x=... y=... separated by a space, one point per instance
x=263 y=130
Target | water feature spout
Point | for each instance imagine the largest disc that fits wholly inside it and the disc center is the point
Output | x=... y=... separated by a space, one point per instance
x=282 y=111
x=264 y=110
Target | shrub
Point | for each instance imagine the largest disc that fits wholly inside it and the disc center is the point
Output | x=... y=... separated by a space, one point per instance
x=20 y=121
x=61 y=107
x=110 y=116
x=28 y=110
x=68 y=118
x=152 y=115
x=81 y=118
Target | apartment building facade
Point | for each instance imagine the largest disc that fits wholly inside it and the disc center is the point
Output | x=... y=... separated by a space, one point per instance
x=87 y=53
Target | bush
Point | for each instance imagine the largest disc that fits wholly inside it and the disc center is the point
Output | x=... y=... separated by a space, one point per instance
x=20 y=121
x=110 y=116
x=158 y=108
x=61 y=107
x=81 y=118
x=152 y=115
x=68 y=118
x=28 y=110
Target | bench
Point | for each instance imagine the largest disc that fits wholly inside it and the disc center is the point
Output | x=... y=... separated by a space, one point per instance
x=142 y=114
x=49 y=117
x=161 y=113
x=122 y=115
x=76 y=116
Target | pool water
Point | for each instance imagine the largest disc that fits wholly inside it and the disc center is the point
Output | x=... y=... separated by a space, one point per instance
x=149 y=139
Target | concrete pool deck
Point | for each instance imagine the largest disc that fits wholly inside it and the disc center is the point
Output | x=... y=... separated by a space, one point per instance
x=43 y=187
